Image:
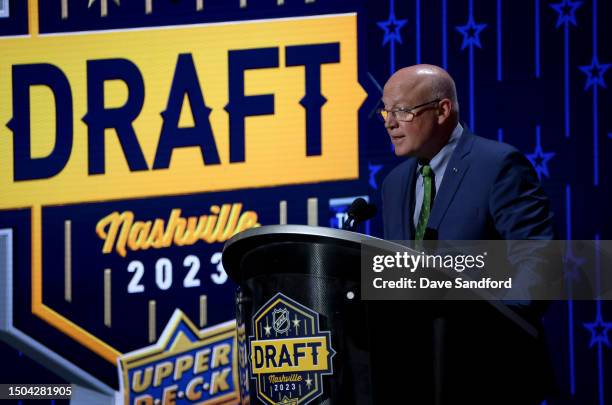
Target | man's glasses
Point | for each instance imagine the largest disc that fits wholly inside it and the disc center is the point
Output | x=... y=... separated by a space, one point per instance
x=403 y=114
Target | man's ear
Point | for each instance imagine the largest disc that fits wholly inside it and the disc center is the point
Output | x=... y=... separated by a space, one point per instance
x=444 y=110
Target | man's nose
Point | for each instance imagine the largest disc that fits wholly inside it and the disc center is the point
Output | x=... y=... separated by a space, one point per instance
x=391 y=122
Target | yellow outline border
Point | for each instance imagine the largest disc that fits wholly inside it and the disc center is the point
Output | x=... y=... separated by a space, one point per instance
x=49 y=315
x=33 y=27
x=39 y=309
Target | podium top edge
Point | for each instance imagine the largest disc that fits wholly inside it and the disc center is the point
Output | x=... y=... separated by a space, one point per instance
x=306 y=230
x=240 y=244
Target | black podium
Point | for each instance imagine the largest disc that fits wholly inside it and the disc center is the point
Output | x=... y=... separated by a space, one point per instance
x=303 y=329
x=306 y=336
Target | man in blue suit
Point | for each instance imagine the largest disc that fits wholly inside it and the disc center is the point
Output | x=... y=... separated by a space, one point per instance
x=455 y=185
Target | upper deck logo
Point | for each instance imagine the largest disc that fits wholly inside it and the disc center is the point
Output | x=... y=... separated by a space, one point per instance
x=187 y=366
x=289 y=353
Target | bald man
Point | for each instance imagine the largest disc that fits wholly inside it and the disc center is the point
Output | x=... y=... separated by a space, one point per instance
x=455 y=185
x=480 y=189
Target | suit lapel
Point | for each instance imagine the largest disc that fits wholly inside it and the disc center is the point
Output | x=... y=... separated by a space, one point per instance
x=455 y=170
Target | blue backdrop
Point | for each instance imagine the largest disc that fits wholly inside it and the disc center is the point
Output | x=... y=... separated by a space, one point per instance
x=531 y=73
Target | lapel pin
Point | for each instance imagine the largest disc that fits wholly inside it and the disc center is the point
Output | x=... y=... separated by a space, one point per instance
x=455 y=170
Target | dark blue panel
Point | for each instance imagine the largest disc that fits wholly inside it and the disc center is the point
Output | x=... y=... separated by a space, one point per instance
x=17 y=21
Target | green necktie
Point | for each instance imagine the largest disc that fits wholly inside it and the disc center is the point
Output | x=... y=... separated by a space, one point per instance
x=428 y=196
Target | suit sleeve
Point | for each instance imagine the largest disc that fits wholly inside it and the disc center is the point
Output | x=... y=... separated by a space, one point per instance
x=519 y=207
x=522 y=216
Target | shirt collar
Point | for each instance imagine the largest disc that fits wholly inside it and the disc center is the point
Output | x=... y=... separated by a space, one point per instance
x=441 y=158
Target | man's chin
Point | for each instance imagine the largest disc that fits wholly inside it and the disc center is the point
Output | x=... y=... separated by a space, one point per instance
x=404 y=152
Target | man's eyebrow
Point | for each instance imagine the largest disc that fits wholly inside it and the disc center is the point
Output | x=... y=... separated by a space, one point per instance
x=400 y=106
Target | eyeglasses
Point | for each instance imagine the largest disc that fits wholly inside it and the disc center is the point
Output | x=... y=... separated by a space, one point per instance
x=402 y=114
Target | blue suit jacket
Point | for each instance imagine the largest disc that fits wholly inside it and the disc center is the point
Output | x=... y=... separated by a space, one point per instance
x=489 y=191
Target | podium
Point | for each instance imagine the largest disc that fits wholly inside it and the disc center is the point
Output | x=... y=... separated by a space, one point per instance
x=303 y=329
x=306 y=336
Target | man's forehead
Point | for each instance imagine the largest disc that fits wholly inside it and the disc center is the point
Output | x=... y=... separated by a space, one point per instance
x=403 y=92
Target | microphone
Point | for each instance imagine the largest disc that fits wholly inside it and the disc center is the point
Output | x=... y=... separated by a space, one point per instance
x=359 y=211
